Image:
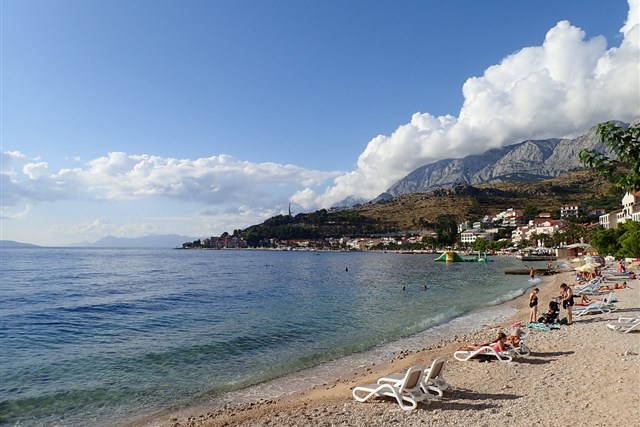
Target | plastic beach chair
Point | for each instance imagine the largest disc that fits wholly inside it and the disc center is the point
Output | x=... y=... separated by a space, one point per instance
x=484 y=352
x=407 y=393
x=432 y=381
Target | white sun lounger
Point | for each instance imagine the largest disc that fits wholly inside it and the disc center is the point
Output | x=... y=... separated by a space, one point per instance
x=625 y=324
x=407 y=392
x=483 y=352
x=598 y=307
x=432 y=381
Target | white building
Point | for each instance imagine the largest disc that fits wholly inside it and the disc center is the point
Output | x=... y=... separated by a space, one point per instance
x=468 y=237
x=572 y=210
x=538 y=226
x=630 y=211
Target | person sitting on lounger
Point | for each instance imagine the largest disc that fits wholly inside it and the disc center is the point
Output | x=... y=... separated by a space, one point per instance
x=513 y=340
x=585 y=300
x=498 y=344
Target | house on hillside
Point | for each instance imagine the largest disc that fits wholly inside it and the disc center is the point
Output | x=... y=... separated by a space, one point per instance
x=630 y=211
x=572 y=210
x=510 y=218
x=538 y=226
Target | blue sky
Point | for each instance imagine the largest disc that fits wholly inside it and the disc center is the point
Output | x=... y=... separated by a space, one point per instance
x=131 y=118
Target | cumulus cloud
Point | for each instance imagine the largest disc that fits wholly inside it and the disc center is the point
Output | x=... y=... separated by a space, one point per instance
x=121 y=176
x=567 y=84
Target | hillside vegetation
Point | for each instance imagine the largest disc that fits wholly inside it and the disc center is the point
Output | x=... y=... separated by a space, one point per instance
x=419 y=211
x=466 y=202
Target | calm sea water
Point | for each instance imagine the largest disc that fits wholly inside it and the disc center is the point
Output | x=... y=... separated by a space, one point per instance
x=89 y=336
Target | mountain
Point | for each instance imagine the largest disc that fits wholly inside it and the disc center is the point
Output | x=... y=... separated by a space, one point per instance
x=417 y=211
x=14 y=244
x=154 y=241
x=531 y=160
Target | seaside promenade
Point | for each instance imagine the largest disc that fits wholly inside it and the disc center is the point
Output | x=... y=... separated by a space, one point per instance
x=582 y=373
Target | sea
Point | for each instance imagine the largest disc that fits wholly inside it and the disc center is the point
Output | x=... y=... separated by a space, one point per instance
x=97 y=336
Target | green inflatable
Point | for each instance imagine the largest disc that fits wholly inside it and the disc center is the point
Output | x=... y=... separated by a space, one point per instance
x=451 y=256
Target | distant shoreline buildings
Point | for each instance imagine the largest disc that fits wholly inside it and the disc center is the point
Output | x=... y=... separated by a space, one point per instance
x=488 y=228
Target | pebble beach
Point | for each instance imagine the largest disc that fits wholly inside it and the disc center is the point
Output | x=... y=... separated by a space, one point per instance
x=579 y=372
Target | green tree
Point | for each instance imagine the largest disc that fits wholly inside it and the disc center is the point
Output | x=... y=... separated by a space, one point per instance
x=446 y=230
x=605 y=240
x=629 y=240
x=480 y=244
x=530 y=212
x=625 y=144
x=429 y=242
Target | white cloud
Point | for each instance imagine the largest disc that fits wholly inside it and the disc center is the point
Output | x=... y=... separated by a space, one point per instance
x=567 y=84
x=121 y=176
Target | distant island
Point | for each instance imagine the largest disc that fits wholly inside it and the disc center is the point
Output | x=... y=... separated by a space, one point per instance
x=153 y=241
x=14 y=244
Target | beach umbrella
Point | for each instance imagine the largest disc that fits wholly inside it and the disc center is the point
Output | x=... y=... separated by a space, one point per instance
x=587 y=267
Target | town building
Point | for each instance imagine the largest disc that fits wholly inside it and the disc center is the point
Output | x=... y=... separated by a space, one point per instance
x=630 y=211
x=573 y=210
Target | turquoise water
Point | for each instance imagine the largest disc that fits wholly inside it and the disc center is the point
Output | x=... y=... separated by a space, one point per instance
x=106 y=335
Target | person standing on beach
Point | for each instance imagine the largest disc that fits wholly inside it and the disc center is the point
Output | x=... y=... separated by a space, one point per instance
x=567 y=301
x=533 y=305
x=532 y=273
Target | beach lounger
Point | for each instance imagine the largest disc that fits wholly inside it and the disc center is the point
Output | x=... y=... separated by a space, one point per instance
x=598 y=307
x=407 y=392
x=432 y=381
x=625 y=325
x=589 y=288
x=485 y=352
x=521 y=350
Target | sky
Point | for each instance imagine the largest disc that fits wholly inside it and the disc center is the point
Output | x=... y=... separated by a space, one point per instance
x=134 y=118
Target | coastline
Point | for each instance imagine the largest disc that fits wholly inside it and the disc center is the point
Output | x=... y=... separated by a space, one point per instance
x=547 y=388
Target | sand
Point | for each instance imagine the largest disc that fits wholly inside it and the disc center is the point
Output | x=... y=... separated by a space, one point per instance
x=580 y=374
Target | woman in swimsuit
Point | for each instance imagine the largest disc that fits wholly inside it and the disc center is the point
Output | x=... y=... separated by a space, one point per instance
x=533 y=305
x=498 y=344
x=567 y=301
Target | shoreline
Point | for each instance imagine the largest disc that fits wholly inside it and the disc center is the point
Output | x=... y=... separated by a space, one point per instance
x=481 y=391
x=330 y=373
x=323 y=404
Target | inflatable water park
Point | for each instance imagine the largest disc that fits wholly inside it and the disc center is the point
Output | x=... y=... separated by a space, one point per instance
x=452 y=256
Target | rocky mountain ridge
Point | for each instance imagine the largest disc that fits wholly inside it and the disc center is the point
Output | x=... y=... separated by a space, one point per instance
x=531 y=160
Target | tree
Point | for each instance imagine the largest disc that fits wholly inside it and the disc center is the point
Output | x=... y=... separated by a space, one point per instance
x=625 y=144
x=446 y=230
x=630 y=240
x=623 y=241
x=530 y=212
x=480 y=244
x=429 y=241
x=605 y=240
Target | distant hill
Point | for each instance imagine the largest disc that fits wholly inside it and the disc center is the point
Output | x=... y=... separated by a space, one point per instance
x=154 y=241
x=410 y=211
x=527 y=161
x=14 y=244
x=419 y=211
